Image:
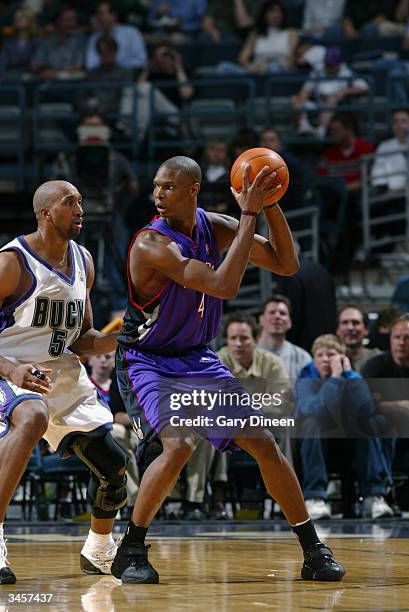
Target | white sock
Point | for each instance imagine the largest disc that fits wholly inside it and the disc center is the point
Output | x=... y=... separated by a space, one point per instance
x=99 y=540
x=1 y=530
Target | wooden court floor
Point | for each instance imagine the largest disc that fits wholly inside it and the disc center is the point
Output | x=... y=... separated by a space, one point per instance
x=236 y=569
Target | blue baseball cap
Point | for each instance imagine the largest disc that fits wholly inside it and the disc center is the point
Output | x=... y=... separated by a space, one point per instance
x=333 y=56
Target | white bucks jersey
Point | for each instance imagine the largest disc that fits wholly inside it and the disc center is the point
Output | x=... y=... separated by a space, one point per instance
x=48 y=317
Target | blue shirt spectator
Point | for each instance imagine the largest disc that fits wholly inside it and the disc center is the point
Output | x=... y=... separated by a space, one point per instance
x=131 y=46
x=333 y=400
x=188 y=13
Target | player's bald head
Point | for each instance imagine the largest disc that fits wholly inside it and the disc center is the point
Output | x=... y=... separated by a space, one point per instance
x=49 y=193
x=183 y=166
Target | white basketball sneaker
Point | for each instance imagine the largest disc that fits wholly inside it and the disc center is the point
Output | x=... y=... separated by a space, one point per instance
x=318 y=509
x=7 y=576
x=97 y=560
x=375 y=506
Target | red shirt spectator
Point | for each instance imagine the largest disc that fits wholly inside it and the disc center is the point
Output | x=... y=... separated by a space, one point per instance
x=344 y=157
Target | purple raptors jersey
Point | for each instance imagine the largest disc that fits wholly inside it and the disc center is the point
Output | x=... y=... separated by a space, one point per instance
x=177 y=319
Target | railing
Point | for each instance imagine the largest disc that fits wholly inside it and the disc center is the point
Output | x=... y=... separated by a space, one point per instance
x=374 y=233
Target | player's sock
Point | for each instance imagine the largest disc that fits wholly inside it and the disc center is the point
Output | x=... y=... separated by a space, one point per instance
x=134 y=534
x=306 y=534
x=98 y=553
x=99 y=540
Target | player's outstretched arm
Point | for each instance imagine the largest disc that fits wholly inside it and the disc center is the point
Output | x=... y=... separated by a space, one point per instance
x=21 y=375
x=92 y=341
x=153 y=252
x=277 y=254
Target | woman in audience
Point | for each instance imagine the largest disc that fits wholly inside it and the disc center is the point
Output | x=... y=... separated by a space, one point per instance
x=269 y=47
x=18 y=48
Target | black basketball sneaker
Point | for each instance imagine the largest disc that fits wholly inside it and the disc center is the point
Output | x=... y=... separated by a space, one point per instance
x=7 y=576
x=131 y=564
x=319 y=564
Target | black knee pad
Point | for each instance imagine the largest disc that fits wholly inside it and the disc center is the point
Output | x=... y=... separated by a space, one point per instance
x=107 y=487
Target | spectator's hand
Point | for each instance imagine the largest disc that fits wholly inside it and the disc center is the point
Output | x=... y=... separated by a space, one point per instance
x=215 y=35
x=349 y=29
x=336 y=366
x=346 y=364
x=332 y=101
x=177 y=58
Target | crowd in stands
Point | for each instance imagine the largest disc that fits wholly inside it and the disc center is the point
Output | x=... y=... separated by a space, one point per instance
x=137 y=68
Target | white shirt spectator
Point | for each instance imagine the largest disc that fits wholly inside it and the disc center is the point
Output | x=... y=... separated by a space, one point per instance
x=293 y=357
x=321 y=14
x=390 y=170
x=332 y=86
x=131 y=48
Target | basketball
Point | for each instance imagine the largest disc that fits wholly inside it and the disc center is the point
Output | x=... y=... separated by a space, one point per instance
x=258 y=158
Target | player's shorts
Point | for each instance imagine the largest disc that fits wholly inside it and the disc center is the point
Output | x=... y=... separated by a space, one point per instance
x=147 y=381
x=74 y=405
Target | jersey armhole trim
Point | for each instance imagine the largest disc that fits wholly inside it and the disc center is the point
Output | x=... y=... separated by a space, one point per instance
x=83 y=258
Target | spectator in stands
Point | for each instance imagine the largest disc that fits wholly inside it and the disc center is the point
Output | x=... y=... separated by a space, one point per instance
x=343 y=158
x=61 y=54
x=295 y=195
x=246 y=138
x=109 y=180
x=380 y=331
x=131 y=46
x=166 y=64
x=275 y=321
x=324 y=402
x=18 y=49
x=372 y=18
x=102 y=374
x=179 y=20
x=227 y=22
x=309 y=55
x=215 y=193
x=109 y=99
x=269 y=47
x=389 y=170
x=352 y=330
x=327 y=92
x=323 y=18
x=392 y=364
x=310 y=287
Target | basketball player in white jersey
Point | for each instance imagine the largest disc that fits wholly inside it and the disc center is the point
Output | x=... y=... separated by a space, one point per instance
x=45 y=321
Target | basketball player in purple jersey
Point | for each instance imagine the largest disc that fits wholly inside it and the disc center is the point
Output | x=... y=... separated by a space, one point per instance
x=176 y=286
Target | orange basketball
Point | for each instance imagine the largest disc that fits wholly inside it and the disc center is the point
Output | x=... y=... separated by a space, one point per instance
x=258 y=158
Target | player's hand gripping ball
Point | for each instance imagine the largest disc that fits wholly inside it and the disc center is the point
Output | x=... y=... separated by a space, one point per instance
x=257 y=158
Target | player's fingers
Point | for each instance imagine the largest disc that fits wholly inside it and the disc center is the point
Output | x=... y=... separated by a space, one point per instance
x=40 y=373
x=246 y=180
x=260 y=176
x=272 y=191
x=33 y=384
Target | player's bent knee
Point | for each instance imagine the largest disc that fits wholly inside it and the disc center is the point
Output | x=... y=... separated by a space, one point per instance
x=31 y=417
x=178 y=450
x=107 y=461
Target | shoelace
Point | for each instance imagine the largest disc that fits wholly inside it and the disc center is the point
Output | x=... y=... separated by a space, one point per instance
x=3 y=553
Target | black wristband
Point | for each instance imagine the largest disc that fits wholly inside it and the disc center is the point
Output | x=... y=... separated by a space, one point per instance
x=249 y=213
x=270 y=206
